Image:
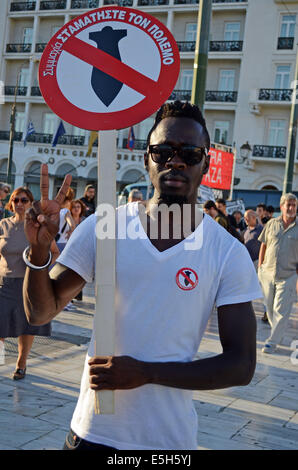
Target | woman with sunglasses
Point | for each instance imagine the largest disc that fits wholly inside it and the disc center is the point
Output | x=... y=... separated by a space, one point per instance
x=13 y=322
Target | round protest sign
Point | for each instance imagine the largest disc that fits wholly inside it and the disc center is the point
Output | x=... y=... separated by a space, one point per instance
x=109 y=68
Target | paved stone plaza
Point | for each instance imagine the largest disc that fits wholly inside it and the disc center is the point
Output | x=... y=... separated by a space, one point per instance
x=35 y=412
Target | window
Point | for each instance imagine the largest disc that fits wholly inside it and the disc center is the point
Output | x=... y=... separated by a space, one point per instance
x=226 y=80
x=287 y=29
x=282 y=76
x=54 y=29
x=49 y=122
x=221 y=129
x=20 y=122
x=24 y=77
x=232 y=32
x=191 y=32
x=27 y=35
x=186 y=79
x=277 y=132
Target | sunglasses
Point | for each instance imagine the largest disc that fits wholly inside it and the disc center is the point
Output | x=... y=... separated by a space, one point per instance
x=23 y=200
x=5 y=190
x=191 y=155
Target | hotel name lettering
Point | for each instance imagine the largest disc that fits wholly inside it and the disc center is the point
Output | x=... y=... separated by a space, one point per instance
x=80 y=153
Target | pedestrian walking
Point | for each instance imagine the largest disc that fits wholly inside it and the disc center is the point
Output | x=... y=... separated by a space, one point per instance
x=66 y=223
x=278 y=262
x=77 y=211
x=161 y=318
x=89 y=199
x=250 y=236
x=13 y=321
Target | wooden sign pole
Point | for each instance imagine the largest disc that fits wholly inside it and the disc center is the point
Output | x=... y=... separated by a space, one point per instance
x=104 y=321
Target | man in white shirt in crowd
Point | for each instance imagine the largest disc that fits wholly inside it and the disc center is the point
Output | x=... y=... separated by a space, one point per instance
x=161 y=318
x=278 y=267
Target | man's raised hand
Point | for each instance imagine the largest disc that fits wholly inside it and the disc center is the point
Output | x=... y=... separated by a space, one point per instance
x=42 y=219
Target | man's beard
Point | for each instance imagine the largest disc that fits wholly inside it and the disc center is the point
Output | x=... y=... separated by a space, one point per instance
x=169 y=199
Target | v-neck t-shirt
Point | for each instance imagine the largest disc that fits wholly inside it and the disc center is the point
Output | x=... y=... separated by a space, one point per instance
x=163 y=303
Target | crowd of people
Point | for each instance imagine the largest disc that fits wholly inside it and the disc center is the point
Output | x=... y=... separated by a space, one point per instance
x=13 y=241
x=273 y=247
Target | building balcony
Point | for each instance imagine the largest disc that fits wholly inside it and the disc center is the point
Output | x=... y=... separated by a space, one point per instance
x=10 y=90
x=221 y=96
x=269 y=151
x=84 y=4
x=22 y=6
x=181 y=95
x=4 y=135
x=15 y=48
x=185 y=2
x=229 y=1
x=225 y=46
x=120 y=3
x=41 y=138
x=275 y=94
x=40 y=46
x=186 y=46
x=285 y=43
x=35 y=91
x=138 y=145
x=144 y=3
x=57 y=5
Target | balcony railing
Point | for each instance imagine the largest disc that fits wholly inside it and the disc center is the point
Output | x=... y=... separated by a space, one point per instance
x=40 y=138
x=269 y=151
x=275 y=94
x=229 y=1
x=10 y=90
x=285 y=43
x=186 y=46
x=40 y=46
x=138 y=145
x=84 y=3
x=120 y=3
x=184 y=2
x=225 y=46
x=221 y=96
x=18 y=48
x=4 y=135
x=181 y=95
x=57 y=5
x=35 y=91
x=22 y=6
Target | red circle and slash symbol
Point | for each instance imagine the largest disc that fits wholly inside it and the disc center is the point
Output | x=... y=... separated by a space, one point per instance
x=187 y=279
x=155 y=92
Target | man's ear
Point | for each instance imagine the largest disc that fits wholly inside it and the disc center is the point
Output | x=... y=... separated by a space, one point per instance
x=146 y=158
x=206 y=164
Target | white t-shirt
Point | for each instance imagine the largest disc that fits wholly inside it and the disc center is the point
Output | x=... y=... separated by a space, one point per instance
x=163 y=303
x=62 y=238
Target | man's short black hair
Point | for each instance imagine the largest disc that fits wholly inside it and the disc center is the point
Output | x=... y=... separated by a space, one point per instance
x=221 y=201
x=179 y=109
x=270 y=209
x=262 y=205
x=209 y=205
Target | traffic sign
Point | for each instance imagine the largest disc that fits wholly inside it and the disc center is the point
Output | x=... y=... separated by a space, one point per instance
x=109 y=68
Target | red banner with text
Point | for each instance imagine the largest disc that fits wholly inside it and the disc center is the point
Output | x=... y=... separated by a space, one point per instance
x=220 y=171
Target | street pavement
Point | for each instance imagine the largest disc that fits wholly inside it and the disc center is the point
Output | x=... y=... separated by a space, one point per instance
x=35 y=412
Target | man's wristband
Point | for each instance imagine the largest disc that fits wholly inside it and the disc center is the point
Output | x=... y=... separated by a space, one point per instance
x=32 y=266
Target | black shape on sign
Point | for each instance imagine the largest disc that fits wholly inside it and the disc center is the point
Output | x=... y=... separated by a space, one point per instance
x=105 y=86
x=186 y=281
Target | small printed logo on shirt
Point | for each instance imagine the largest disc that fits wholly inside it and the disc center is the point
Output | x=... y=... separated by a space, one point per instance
x=186 y=279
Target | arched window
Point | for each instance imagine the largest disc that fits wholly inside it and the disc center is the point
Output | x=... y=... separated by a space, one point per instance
x=32 y=179
x=132 y=176
x=62 y=170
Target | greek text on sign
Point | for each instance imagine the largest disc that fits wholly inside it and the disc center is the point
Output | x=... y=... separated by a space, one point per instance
x=220 y=171
x=109 y=68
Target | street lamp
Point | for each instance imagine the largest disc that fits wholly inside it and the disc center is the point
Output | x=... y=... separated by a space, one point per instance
x=245 y=152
